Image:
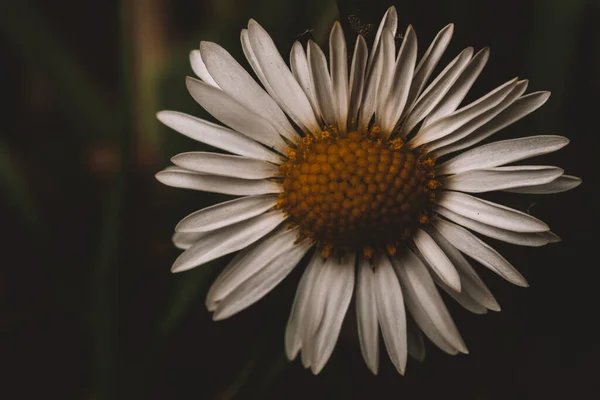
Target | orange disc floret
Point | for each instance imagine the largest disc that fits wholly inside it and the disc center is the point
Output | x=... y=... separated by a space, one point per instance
x=357 y=191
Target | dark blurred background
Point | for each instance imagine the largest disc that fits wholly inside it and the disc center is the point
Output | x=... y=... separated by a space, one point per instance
x=88 y=307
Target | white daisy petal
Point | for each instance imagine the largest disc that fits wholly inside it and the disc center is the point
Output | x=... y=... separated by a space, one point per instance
x=357 y=80
x=502 y=152
x=321 y=80
x=248 y=263
x=234 y=114
x=372 y=78
x=414 y=338
x=472 y=246
x=199 y=68
x=396 y=100
x=390 y=312
x=253 y=61
x=225 y=165
x=470 y=280
x=293 y=331
x=339 y=74
x=226 y=213
x=457 y=119
x=227 y=240
x=217 y=136
x=558 y=185
x=518 y=238
x=388 y=49
x=280 y=78
x=389 y=21
x=262 y=283
x=217 y=184
x=425 y=304
x=366 y=315
x=336 y=304
x=429 y=61
x=237 y=82
x=436 y=91
x=437 y=259
x=460 y=87
x=517 y=110
x=480 y=120
x=312 y=314
x=490 y=213
x=185 y=240
x=300 y=69
x=462 y=298
x=501 y=178
x=552 y=237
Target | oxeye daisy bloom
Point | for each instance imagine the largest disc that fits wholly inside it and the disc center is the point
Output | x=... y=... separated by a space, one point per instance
x=367 y=169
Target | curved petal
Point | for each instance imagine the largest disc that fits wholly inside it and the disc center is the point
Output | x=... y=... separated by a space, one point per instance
x=217 y=184
x=457 y=119
x=558 y=185
x=429 y=61
x=300 y=69
x=436 y=258
x=357 y=80
x=225 y=165
x=389 y=21
x=249 y=262
x=490 y=213
x=387 y=48
x=390 y=312
x=501 y=178
x=199 y=68
x=227 y=240
x=471 y=126
x=336 y=304
x=372 y=78
x=472 y=246
x=425 y=304
x=185 y=240
x=217 y=136
x=226 y=213
x=502 y=152
x=460 y=87
x=395 y=102
x=280 y=78
x=436 y=91
x=296 y=322
x=262 y=283
x=321 y=80
x=234 y=114
x=517 y=110
x=366 y=315
x=471 y=282
x=237 y=82
x=338 y=66
x=518 y=238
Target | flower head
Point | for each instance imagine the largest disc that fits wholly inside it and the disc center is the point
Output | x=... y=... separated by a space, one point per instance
x=367 y=170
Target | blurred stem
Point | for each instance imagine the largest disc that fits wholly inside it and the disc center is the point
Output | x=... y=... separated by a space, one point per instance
x=148 y=32
x=38 y=46
x=103 y=306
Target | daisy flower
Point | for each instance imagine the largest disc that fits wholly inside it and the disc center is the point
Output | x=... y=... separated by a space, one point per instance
x=367 y=170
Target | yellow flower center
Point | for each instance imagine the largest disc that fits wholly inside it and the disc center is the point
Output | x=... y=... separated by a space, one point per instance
x=356 y=191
